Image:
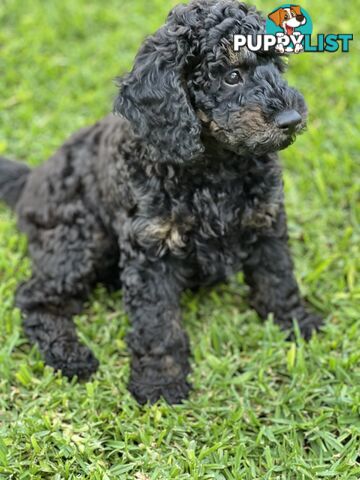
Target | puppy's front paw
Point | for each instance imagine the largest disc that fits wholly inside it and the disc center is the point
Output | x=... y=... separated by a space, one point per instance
x=72 y=358
x=280 y=48
x=173 y=392
x=309 y=323
x=307 y=320
x=159 y=376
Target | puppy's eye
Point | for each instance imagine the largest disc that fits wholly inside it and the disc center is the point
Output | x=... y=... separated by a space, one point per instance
x=233 y=77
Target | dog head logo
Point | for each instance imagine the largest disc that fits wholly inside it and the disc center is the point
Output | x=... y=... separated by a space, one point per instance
x=291 y=21
x=288 y=18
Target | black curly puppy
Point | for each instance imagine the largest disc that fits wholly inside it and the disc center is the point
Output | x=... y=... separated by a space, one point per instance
x=181 y=189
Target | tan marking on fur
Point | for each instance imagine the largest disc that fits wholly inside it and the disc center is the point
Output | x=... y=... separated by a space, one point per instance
x=175 y=239
x=253 y=118
x=166 y=231
x=158 y=229
x=202 y=116
x=234 y=57
x=214 y=127
x=237 y=58
x=261 y=217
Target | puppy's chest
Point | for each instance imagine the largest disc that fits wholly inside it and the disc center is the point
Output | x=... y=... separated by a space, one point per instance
x=187 y=220
x=217 y=210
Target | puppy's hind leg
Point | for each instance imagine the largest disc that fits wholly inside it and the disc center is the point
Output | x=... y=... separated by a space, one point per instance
x=48 y=323
x=66 y=259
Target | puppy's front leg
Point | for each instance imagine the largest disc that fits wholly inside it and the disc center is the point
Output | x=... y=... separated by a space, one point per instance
x=273 y=287
x=159 y=346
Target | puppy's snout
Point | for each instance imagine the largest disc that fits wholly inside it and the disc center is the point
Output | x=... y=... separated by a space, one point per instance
x=288 y=119
x=300 y=18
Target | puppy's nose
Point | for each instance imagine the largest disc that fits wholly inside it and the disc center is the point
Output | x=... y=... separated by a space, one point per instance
x=300 y=18
x=288 y=119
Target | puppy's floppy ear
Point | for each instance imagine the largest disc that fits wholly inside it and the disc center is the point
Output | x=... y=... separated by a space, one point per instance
x=276 y=16
x=154 y=99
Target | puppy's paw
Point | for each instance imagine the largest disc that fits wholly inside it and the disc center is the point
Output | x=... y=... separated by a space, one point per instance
x=173 y=392
x=160 y=376
x=307 y=320
x=72 y=358
x=309 y=323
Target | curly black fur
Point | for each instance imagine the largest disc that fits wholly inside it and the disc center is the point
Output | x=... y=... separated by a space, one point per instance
x=182 y=188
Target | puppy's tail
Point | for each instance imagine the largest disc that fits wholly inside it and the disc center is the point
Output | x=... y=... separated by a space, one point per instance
x=13 y=177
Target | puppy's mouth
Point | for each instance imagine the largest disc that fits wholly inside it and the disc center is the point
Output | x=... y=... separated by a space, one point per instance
x=272 y=140
x=288 y=123
x=284 y=137
x=271 y=134
x=284 y=141
x=249 y=132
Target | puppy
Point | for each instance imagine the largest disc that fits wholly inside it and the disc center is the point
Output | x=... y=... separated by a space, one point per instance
x=182 y=187
x=289 y=19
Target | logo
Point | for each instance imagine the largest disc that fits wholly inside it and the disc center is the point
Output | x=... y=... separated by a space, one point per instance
x=288 y=29
x=289 y=24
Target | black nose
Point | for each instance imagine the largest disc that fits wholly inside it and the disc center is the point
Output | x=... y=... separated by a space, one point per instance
x=288 y=119
x=300 y=18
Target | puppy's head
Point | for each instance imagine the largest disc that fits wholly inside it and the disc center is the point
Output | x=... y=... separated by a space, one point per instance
x=288 y=18
x=188 y=86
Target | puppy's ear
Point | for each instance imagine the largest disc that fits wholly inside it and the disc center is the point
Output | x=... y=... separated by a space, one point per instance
x=153 y=96
x=276 y=16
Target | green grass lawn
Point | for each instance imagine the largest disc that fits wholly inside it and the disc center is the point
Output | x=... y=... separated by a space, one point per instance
x=262 y=408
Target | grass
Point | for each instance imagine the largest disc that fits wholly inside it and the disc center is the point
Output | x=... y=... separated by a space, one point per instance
x=262 y=408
